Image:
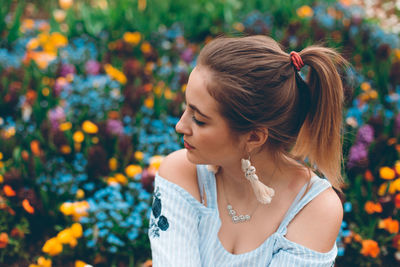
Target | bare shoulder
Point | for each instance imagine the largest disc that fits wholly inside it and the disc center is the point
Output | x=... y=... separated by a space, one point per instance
x=317 y=225
x=177 y=169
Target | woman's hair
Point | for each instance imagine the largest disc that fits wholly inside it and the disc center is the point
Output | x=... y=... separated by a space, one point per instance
x=256 y=85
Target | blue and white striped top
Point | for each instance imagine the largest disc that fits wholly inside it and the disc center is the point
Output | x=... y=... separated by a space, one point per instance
x=184 y=232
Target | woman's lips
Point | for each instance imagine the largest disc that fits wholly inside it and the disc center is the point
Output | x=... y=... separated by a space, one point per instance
x=187 y=145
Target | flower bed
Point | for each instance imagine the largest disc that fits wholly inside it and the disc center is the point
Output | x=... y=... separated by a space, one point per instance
x=90 y=97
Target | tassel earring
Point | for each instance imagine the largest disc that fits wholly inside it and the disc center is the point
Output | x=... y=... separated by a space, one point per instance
x=263 y=193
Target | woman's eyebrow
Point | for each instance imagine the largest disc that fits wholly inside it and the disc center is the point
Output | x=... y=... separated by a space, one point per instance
x=198 y=111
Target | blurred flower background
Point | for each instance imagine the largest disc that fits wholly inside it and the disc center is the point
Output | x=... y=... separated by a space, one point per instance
x=91 y=91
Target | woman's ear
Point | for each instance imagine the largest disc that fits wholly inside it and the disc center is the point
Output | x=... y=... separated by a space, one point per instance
x=256 y=138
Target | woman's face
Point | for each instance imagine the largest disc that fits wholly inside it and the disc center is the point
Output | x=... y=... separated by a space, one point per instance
x=208 y=139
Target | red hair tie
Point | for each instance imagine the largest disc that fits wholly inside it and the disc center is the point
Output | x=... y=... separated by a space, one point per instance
x=296 y=60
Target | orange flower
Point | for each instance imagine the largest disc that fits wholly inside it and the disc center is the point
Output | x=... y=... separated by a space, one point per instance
x=368 y=176
x=390 y=225
x=27 y=206
x=3 y=240
x=35 y=147
x=397 y=200
x=9 y=191
x=371 y=207
x=370 y=248
x=148 y=263
x=16 y=232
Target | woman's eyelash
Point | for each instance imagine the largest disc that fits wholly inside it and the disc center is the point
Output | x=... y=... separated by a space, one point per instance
x=200 y=123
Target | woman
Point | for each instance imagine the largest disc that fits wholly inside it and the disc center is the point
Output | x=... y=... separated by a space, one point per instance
x=251 y=116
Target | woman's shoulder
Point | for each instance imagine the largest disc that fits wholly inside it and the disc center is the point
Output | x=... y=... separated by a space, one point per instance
x=317 y=225
x=177 y=169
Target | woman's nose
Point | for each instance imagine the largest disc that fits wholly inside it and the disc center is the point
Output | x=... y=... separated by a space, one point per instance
x=182 y=126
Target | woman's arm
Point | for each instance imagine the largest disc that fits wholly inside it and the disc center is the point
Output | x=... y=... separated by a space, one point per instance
x=311 y=235
x=174 y=219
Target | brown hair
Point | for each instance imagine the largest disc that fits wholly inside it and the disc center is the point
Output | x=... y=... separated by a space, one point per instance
x=256 y=85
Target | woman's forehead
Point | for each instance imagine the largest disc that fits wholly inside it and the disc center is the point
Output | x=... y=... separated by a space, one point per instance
x=197 y=93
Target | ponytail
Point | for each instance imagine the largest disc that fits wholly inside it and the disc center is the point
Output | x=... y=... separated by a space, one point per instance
x=319 y=138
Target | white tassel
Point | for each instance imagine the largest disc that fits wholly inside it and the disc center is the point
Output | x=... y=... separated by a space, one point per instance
x=263 y=193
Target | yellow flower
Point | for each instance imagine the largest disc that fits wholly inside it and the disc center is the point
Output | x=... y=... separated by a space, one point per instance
x=149 y=102
x=27 y=24
x=76 y=230
x=113 y=164
x=111 y=181
x=387 y=173
x=80 y=210
x=1 y=156
x=1 y=179
x=65 y=149
x=32 y=44
x=73 y=242
x=120 y=178
x=89 y=127
x=58 y=40
x=65 y=236
x=394 y=186
x=396 y=167
x=133 y=170
x=373 y=94
x=52 y=247
x=397 y=54
x=79 y=263
x=365 y=86
x=184 y=87
x=132 y=38
x=142 y=5
x=67 y=208
x=155 y=162
x=168 y=94
x=305 y=12
x=59 y=15
x=66 y=4
x=139 y=155
x=80 y=193
x=43 y=262
x=145 y=47
x=45 y=91
x=42 y=59
x=238 y=26
x=148 y=68
x=78 y=137
x=95 y=139
x=65 y=126
x=115 y=74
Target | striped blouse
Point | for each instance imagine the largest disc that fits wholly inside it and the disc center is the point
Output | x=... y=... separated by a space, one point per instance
x=184 y=232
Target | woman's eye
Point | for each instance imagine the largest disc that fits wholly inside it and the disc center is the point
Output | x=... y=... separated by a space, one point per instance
x=200 y=123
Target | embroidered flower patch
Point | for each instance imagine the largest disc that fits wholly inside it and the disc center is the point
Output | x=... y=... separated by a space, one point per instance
x=157 y=222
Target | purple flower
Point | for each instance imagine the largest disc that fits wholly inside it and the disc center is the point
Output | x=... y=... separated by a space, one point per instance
x=358 y=154
x=115 y=127
x=67 y=69
x=365 y=135
x=60 y=84
x=56 y=116
x=92 y=67
x=187 y=55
